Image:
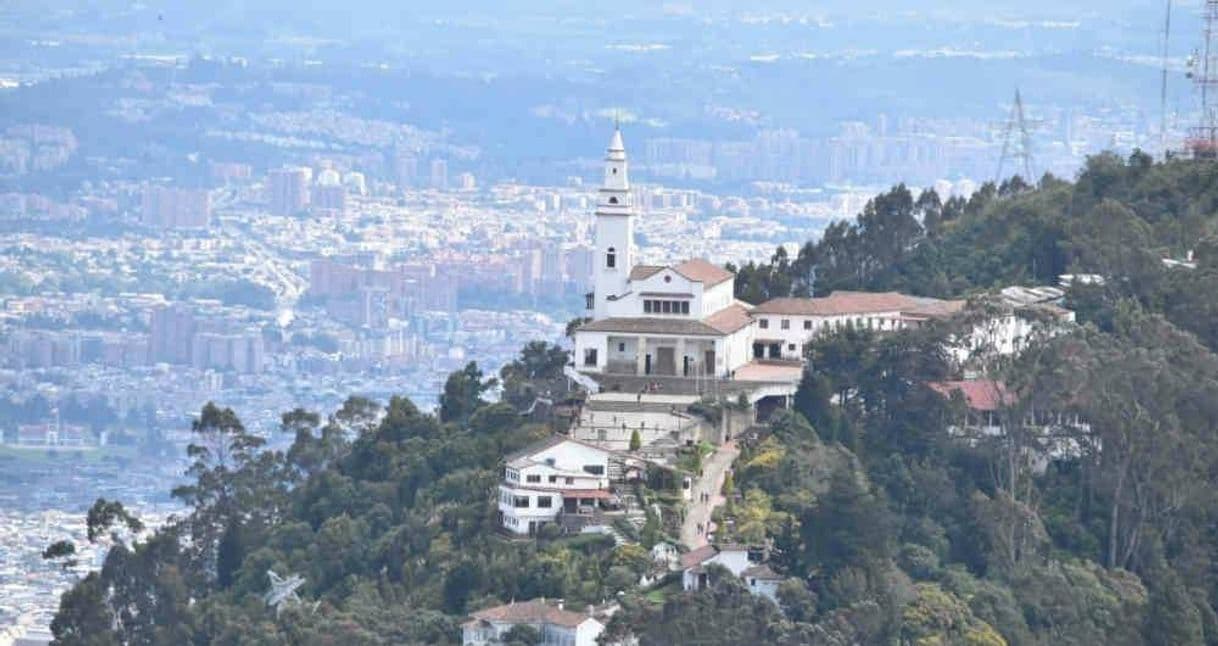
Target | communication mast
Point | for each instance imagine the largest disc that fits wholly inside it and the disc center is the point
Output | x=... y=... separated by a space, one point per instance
x=1203 y=137
x=1020 y=150
x=1163 y=81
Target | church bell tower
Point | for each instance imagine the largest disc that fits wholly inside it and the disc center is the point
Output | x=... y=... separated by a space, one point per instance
x=614 y=230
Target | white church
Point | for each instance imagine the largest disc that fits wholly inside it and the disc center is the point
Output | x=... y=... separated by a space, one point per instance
x=668 y=321
x=683 y=320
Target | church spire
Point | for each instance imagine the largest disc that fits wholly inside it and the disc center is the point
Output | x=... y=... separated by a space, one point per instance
x=615 y=189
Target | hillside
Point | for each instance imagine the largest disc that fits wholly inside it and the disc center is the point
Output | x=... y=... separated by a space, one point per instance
x=893 y=515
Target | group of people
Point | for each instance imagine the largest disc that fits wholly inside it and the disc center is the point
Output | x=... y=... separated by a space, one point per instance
x=651 y=387
x=703 y=497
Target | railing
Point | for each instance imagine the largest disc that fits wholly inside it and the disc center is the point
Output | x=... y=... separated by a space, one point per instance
x=589 y=384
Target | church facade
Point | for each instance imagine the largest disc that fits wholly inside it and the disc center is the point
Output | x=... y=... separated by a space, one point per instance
x=681 y=320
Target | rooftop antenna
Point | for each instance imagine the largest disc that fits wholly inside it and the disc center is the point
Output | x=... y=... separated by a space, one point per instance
x=1203 y=137
x=1020 y=150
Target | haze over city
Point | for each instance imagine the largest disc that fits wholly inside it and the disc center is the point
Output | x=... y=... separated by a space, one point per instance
x=553 y=322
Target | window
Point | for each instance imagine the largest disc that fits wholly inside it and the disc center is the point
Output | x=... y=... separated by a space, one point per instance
x=570 y=481
x=532 y=478
x=807 y=325
x=613 y=200
x=553 y=479
x=590 y=357
x=791 y=347
x=786 y=324
x=544 y=502
x=589 y=300
x=764 y=324
x=595 y=469
x=611 y=258
x=665 y=307
x=621 y=347
x=520 y=502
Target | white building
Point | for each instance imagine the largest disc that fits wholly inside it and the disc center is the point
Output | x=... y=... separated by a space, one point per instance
x=556 y=475
x=758 y=578
x=694 y=563
x=1016 y=317
x=679 y=321
x=762 y=581
x=555 y=625
x=786 y=325
x=682 y=321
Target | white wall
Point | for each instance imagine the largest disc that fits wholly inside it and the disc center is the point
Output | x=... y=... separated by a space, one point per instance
x=802 y=329
x=517 y=520
x=718 y=297
x=736 y=561
x=735 y=350
x=632 y=305
x=585 y=634
x=614 y=231
x=767 y=588
x=593 y=340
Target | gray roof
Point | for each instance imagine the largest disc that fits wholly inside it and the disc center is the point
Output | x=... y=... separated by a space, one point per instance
x=549 y=442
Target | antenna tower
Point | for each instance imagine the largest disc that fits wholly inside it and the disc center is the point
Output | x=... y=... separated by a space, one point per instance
x=1163 y=82
x=1203 y=137
x=1020 y=150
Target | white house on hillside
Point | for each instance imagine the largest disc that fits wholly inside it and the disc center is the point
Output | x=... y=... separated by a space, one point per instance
x=694 y=563
x=555 y=625
x=553 y=476
x=1023 y=316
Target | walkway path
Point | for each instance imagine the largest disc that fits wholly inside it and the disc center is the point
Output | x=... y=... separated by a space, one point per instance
x=697 y=512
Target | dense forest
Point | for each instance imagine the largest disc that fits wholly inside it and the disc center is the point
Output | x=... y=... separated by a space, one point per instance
x=889 y=528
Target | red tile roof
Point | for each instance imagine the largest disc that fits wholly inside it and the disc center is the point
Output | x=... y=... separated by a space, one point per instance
x=979 y=394
x=698 y=556
x=729 y=319
x=643 y=272
x=702 y=271
x=842 y=303
x=531 y=612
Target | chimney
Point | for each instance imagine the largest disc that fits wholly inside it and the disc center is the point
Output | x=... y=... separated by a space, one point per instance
x=558 y=603
x=591 y=610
